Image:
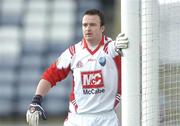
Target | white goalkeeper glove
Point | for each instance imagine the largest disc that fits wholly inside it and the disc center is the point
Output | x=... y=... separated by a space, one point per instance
x=121 y=42
x=34 y=111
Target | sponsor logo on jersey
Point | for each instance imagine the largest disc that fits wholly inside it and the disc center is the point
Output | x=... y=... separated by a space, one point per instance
x=92 y=82
x=92 y=79
x=91 y=60
x=93 y=91
x=102 y=61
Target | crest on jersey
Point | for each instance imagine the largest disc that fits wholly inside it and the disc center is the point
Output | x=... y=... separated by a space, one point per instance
x=102 y=61
x=79 y=64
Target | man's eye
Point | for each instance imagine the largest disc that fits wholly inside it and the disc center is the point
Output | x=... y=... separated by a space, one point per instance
x=92 y=24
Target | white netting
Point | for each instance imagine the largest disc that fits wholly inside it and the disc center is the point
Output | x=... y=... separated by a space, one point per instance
x=169 y=70
x=160 y=59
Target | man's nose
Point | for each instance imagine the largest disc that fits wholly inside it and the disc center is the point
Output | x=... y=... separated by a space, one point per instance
x=88 y=27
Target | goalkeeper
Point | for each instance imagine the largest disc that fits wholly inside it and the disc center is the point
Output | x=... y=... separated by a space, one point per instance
x=95 y=63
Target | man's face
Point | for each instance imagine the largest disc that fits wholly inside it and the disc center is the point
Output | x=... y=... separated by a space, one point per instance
x=92 y=30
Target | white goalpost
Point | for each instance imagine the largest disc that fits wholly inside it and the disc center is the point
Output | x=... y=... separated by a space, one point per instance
x=151 y=64
x=131 y=63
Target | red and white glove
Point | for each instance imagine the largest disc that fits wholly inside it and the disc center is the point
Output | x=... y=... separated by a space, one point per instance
x=121 y=42
x=34 y=111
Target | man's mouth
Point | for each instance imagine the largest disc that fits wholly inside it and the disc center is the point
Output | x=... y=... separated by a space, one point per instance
x=88 y=34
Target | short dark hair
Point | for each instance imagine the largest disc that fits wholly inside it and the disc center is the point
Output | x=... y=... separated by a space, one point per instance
x=96 y=12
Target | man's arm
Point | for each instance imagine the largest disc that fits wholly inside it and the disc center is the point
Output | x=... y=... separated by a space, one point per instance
x=35 y=109
x=56 y=72
x=43 y=87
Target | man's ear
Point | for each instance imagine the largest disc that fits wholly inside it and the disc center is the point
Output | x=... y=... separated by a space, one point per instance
x=102 y=28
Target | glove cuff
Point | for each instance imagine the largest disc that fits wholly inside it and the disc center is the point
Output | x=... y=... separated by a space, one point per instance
x=37 y=99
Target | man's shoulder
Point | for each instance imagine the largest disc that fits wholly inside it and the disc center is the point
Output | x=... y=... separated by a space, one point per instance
x=108 y=39
x=75 y=47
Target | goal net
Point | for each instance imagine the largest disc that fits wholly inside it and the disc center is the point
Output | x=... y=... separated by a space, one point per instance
x=157 y=89
x=169 y=63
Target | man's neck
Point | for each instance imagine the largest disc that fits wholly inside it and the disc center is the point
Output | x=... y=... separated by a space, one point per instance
x=92 y=46
x=94 y=43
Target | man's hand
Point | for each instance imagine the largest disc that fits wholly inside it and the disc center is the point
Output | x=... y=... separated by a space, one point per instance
x=34 y=112
x=121 y=42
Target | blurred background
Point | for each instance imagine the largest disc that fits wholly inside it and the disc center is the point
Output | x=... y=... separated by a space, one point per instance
x=33 y=33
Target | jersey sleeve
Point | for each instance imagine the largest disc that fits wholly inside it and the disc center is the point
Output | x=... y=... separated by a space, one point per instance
x=117 y=60
x=111 y=49
x=58 y=70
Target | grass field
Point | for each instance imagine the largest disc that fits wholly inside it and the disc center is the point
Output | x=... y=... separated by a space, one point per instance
x=55 y=121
